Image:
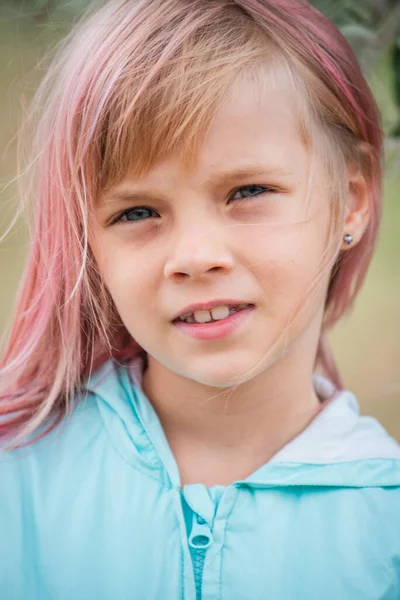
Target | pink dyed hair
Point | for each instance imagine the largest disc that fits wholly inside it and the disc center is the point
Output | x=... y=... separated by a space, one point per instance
x=128 y=85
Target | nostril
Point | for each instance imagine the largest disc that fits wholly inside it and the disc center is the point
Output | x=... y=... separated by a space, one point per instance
x=197 y=263
x=215 y=269
x=180 y=275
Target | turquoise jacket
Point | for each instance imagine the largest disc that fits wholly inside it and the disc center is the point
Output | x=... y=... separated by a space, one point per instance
x=96 y=511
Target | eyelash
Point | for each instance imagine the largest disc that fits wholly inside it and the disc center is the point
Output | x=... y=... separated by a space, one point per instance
x=264 y=188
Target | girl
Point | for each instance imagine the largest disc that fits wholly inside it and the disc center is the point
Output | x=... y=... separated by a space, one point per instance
x=207 y=200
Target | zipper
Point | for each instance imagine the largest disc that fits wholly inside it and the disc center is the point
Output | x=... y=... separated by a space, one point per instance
x=200 y=539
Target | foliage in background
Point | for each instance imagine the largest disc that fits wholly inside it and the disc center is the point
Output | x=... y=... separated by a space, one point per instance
x=373 y=29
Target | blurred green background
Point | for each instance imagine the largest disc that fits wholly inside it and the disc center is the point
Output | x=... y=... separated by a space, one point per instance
x=366 y=344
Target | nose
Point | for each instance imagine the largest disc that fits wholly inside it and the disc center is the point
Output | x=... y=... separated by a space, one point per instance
x=197 y=252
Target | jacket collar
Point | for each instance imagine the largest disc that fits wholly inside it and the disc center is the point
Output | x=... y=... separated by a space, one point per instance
x=339 y=447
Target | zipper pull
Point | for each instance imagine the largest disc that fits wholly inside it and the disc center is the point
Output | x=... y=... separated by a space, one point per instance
x=200 y=537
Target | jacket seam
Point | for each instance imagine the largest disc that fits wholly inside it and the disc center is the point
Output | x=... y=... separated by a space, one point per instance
x=159 y=480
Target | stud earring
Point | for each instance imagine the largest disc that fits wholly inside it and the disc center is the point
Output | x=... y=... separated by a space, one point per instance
x=348 y=239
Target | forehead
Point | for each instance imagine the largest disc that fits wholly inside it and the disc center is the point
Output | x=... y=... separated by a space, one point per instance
x=254 y=119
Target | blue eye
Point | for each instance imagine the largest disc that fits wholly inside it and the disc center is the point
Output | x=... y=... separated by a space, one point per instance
x=139 y=213
x=143 y=213
x=249 y=191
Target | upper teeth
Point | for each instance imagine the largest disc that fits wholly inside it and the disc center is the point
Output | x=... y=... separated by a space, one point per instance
x=217 y=313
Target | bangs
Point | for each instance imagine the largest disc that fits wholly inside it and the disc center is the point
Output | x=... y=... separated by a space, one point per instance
x=165 y=99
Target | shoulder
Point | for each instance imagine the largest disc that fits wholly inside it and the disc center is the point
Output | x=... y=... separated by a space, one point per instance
x=43 y=458
x=79 y=426
x=77 y=439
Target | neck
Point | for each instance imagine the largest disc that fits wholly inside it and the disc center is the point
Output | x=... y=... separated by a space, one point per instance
x=222 y=435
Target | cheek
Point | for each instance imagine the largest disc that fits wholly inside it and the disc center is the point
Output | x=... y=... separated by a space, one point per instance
x=287 y=260
x=129 y=280
x=132 y=287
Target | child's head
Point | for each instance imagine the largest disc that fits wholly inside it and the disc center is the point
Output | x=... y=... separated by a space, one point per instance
x=176 y=110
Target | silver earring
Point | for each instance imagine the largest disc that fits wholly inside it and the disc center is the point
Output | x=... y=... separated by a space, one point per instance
x=348 y=239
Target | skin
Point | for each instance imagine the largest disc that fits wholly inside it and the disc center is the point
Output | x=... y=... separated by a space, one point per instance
x=204 y=242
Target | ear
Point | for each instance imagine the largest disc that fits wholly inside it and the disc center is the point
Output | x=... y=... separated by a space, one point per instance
x=357 y=209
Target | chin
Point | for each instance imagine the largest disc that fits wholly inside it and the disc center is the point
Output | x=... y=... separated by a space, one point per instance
x=224 y=372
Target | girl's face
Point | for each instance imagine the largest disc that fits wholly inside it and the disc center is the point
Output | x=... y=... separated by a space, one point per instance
x=234 y=229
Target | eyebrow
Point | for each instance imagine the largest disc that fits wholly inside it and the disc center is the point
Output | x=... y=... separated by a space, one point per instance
x=132 y=192
x=223 y=177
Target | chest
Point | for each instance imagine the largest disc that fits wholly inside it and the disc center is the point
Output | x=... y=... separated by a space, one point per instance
x=136 y=540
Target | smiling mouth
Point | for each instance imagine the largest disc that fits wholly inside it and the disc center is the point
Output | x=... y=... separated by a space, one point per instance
x=217 y=313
